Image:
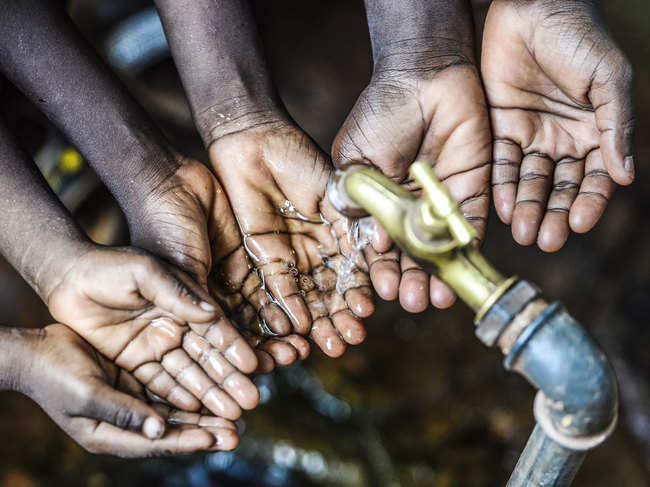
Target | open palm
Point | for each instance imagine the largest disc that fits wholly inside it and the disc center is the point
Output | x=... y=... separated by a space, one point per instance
x=299 y=246
x=105 y=409
x=188 y=222
x=559 y=96
x=437 y=115
x=135 y=312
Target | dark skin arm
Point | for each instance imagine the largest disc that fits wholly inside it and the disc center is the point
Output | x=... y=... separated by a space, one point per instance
x=273 y=174
x=44 y=55
x=560 y=96
x=424 y=101
x=174 y=206
x=230 y=88
x=31 y=211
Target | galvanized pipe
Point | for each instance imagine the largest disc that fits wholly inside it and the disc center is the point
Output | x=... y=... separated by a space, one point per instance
x=576 y=407
x=545 y=463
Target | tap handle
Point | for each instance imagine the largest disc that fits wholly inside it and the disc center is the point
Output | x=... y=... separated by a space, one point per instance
x=442 y=204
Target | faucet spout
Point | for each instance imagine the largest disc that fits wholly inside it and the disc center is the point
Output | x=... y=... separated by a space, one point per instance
x=430 y=228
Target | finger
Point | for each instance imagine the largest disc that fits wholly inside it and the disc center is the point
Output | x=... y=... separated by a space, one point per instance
x=554 y=230
x=265 y=362
x=240 y=387
x=242 y=311
x=414 y=287
x=505 y=177
x=180 y=418
x=282 y=353
x=532 y=195
x=108 y=439
x=122 y=410
x=157 y=380
x=299 y=343
x=224 y=431
x=360 y=299
x=380 y=239
x=595 y=191
x=348 y=326
x=276 y=266
x=441 y=295
x=254 y=292
x=189 y=374
x=171 y=294
x=611 y=97
x=385 y=273
x=351 y=267
x=224 y=439
x=238 y=284
x=225 y=338
x=326 y=337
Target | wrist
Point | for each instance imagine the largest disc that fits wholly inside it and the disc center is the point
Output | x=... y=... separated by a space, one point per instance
x=148 y=164
x=562 y=8
x=61 y=257
x=17 y=352
x=420 y=36
x=238 y=112
x=421 y=58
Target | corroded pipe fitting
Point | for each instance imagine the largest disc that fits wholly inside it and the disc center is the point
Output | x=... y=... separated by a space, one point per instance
x=577 y=403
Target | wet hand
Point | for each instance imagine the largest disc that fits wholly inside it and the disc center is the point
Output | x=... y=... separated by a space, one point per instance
x=559 y=92
x=188 y=222
x=160 y=326
x=304 y=275
x=103 y=407
x=409 y=112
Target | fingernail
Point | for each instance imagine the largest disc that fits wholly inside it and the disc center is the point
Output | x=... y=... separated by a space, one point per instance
x=207 y=306
x=153 y=428
x=629 y=165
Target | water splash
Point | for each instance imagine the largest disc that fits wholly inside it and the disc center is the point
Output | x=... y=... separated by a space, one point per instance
x=359 y=233
x=289 y=210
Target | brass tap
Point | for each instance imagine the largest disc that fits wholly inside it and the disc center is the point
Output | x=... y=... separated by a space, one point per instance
x=431 y=229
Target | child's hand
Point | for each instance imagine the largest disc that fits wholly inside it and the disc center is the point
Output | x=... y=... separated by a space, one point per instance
x=103 y=407
x=560 y=100
x=159 y=326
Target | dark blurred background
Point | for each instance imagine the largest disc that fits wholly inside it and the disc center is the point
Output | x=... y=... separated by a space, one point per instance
x=422 y=402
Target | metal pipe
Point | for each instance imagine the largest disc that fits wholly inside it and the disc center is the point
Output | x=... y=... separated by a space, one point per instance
x=576 y=407
x=545 y=463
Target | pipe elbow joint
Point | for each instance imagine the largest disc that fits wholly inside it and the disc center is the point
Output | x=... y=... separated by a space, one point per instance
x=577 y=402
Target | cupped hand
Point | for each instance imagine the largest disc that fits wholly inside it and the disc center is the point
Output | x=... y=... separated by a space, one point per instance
x=302 y=256
x=559 y=92
x=188 y=222
x=160 y=326
x=407 y=113
x=103 y=407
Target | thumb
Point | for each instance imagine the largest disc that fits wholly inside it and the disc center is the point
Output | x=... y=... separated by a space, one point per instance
x=611 y=97
x=173 y=294
x=124 y=411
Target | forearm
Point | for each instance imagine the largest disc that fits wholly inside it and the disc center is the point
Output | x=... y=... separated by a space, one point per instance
x=16 y=351
x=44 y=55
x=420 y=35
x=38 y=237
x=219 y=56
